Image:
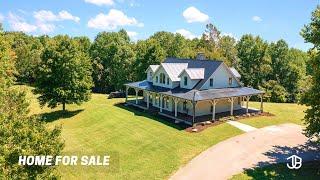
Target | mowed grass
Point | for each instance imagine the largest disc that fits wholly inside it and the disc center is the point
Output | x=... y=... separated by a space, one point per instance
x=144 y=146
x=147 y=147
x=284 y=113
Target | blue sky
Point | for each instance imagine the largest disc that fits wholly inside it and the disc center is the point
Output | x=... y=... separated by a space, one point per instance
x=272 y=20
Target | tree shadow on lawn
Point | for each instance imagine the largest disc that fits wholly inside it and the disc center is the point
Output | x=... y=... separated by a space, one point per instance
x=152 y=115
x=277 y=167
x=60 y=114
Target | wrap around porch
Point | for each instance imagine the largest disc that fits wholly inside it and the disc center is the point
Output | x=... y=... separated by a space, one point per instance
x=190 y=118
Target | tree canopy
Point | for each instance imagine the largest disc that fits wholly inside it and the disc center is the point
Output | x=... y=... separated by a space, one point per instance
x=64 y=73
x=311 y=34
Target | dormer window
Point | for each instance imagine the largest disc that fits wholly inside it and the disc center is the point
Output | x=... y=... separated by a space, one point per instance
x=185 y=81
x=162 y=78
x=230 y=80
x=211 y=82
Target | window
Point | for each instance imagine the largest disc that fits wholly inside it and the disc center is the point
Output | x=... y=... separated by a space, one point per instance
x=239 y=100
x=184 y=105
x=168 y=80
x=211 y=108
x=156 y=79
x=230 y=80
x=211 y=82
x=162 y=78
x=185 y=80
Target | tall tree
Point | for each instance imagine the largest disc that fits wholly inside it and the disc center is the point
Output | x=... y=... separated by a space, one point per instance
x=148 y=52
x=21 y=134
x=227 y=47
x=311 y=34
x=64 y=74
x=28 y=50
x=254 y=62
x=112 y=56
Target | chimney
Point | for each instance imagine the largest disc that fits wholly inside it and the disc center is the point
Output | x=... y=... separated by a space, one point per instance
x=200 y=56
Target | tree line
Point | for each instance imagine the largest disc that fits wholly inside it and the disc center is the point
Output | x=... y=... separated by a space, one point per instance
x=280 y=71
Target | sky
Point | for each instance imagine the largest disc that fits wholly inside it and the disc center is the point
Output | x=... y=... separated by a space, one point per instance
x=270 y=19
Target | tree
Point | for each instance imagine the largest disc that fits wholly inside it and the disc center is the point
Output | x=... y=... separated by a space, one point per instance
x=227 y=47
x=311 y=34
x=274 y=92
x=64 y=74
x=112 y=58
x=21 y=134
x=28 y=50
x=147 y=52
x=254 y=62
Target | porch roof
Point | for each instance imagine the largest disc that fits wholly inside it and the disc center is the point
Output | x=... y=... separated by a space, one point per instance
x=196 y=95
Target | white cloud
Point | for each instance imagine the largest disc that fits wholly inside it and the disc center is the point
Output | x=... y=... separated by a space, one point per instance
x=46 y=28
x=65 y=15
x=112 y=20
x=187 y=34
x=192 y=14
x=1 y=17
x=100 y=2
x=256 y=19
x=132 y=34
x=18 y=24
x=46 y=16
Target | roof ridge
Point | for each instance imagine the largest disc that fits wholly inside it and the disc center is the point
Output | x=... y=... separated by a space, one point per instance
x=194 y=59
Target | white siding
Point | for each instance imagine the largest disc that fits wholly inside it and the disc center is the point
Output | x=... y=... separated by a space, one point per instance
x=191 y=82
x=223 y=105
x=202 y=107
x=157 y=74
x=221 y=79
x=149 y=78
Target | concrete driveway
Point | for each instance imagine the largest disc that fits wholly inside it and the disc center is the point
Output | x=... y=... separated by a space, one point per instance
x=257 y=148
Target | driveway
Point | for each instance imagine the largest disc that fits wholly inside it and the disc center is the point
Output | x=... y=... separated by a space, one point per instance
x=257 y=148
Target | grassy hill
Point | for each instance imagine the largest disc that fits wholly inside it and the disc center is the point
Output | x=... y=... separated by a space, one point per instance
x=143 y=147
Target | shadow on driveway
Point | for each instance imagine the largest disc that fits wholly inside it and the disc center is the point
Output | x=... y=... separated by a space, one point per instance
x=277 y=167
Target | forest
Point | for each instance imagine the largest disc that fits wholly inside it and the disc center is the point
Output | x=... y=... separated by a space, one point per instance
x=282 y=72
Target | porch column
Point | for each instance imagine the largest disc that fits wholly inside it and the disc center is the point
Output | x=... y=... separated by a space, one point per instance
x=160 y=102
x=148 y=94
x=261 y=105
x=213 y=102
x=176 y=100
x=193 y=112
x=231 y=101
x=137 y=90
x=247 y=105
x=127 y=93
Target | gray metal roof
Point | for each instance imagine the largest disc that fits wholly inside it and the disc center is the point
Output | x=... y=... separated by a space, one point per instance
x=194 y=73
x=235 y=72
x=209 y=67
x=196 y=95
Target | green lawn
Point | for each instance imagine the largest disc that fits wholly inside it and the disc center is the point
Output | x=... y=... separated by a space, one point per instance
x=284 y=113
x=146 y=146
x=309 y=170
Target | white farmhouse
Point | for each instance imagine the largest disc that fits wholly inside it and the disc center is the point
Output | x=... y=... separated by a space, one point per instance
x=192 y=90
